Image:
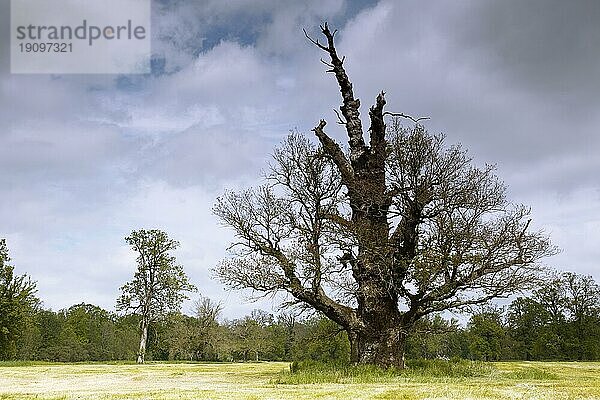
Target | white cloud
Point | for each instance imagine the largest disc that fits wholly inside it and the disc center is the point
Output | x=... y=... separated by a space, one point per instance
x=572 y=220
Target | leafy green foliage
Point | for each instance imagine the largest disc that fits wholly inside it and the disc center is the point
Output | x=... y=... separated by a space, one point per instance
x=83 y=332
x=159 y=283
x=487 y=335
x=320 y=339
x=560 y=321
x=435 y=337
x=17 y=303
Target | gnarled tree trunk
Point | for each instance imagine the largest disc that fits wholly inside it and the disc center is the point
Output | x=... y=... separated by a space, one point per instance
x=384 y=348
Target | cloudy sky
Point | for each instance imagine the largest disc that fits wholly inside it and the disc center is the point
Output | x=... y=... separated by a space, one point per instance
x=84 y=159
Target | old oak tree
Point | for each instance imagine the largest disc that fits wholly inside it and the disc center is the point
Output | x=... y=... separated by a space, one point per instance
x=380 y=235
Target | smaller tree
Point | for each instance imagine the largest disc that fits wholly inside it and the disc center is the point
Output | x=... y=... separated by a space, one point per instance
x=159 y=284
x=579 y=311
x=16 y=299
x=207 y=313
x=320 y=339
x=527 y=321
x=487 y=335
x=251 y=335
x=435 y=337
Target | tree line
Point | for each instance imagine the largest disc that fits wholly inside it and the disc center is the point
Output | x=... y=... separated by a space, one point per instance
x=85 y=332
x=560 y=320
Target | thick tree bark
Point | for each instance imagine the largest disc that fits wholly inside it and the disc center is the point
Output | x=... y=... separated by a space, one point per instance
x=143 y=339
x=379 y=339
x=384 y=348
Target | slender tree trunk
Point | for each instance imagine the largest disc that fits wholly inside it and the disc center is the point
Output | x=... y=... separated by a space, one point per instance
x=353 y=338
x=144 y=337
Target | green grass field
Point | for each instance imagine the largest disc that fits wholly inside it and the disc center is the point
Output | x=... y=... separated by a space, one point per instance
x=271 y=380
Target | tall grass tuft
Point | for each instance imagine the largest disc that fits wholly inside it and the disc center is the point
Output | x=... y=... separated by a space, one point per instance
x=307 y=372
x=455 y=368
x=531 y=374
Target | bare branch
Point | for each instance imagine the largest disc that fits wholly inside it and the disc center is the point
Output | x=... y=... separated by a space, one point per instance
x=377 y=129
x=335 y=152
x=339 y=117
x=402 y=115
x=350 y=106
x=378 y=238
x=327 y=64
x=313 y=41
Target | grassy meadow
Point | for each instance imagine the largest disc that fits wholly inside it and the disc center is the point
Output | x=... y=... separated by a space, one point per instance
x=273 y=380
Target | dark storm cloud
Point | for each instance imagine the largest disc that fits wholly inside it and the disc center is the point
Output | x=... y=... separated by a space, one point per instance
x=549 y=47
x=546 y=54
x=492 y=75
